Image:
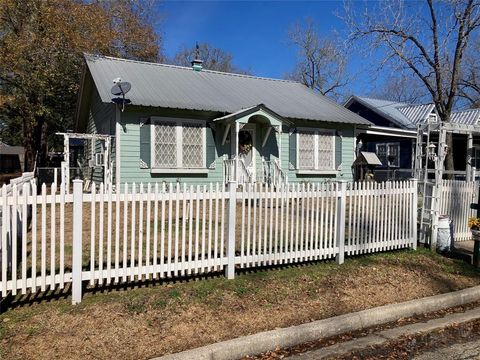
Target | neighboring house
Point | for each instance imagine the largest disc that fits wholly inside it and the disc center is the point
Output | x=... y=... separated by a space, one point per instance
x=196 y=126
x=393 y=135
x=11 y=159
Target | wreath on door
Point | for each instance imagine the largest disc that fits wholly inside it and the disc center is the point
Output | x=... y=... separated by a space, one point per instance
x=245 y=142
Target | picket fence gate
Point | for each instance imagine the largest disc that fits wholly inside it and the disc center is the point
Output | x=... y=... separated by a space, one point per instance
x=456 y=199
x=52 y=238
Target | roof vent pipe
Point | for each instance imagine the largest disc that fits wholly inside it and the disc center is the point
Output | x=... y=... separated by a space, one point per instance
x=197 y=63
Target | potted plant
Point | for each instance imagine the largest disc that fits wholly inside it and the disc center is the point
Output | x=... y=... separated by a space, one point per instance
x=474 y=225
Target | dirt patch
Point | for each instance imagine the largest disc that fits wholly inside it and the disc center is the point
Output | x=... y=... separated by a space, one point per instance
x=146 y=322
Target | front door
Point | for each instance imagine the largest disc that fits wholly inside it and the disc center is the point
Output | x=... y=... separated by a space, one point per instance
x=246 y=148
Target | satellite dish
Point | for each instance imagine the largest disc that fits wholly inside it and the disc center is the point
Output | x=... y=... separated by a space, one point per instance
x=121 y=88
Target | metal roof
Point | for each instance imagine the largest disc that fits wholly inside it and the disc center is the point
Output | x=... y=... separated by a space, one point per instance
x=467 y=117
x=178 y=87
x=388 y=109
x=417 y=113
x=408 y=116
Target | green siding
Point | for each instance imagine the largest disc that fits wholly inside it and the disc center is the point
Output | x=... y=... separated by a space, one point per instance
x=348 y=152
x=130 y=170
x=101 y=120
x=276 y=147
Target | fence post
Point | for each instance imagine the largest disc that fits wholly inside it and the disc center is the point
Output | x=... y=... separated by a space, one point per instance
x=414 y=210
x=77 y=242
x=341 y=208
x=232 y=210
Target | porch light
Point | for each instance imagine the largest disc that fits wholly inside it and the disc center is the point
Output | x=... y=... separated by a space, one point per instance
x=431 y=152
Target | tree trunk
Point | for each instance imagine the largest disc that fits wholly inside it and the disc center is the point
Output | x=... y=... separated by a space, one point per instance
x=449 y=157
x=28 y=145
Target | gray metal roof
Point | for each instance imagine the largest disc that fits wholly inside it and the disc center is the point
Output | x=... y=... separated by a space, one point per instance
x=408 y=116
x=417 y=113
x=177 y=87
x=389 y=109
x=467 y=117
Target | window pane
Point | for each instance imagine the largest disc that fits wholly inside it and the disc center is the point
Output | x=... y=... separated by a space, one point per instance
x=325 y=151
x=193 y=151
x=165 y=145
x=306 y=150
x=394 y=154
x=382 y=153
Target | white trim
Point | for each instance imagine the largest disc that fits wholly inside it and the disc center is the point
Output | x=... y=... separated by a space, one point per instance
x=317 y=172
x=118 y=130
x=316 y=132
x=178 y=171
x=387 y=152
x=265 y=138
x=225 y=134
x=179 y=125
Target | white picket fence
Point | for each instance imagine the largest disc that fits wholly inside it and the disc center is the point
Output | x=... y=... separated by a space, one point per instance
x=157 y=231
x=456 y=199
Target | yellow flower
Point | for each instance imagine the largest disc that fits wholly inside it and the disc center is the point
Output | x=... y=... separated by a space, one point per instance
x=474 y=223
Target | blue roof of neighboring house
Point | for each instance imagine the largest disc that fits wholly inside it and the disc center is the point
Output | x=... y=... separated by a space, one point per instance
x=178 y=87
x=404 y=115
x=408 y=116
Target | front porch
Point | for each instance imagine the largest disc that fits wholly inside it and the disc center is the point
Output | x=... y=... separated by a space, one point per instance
x=254 y=155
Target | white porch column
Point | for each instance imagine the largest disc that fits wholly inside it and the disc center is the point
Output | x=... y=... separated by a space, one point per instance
x=66 y=160
x=106 y=162
x=468 y=169
x=235 y=149
x=118 y=130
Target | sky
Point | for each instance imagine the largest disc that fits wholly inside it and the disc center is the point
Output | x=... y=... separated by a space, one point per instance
x=254 y=32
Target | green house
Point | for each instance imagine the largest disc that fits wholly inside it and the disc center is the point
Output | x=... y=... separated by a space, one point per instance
x=195 y=126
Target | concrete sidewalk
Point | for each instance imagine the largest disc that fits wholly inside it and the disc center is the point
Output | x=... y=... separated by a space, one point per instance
x=382 y=337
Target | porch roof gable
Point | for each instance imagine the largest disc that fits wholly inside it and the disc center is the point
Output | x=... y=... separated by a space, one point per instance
x=243 y=115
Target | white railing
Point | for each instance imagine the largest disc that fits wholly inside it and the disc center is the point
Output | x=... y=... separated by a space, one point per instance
x=150 y=231
x=236 y=170
x=273 y=174
x=244 y=174
x=456 y=199
x=229 y=173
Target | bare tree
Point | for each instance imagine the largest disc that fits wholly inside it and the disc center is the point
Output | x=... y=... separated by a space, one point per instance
x=469 y=85
x=401 y=87
x=428 y=40
x=321 y=61
x=213 y=58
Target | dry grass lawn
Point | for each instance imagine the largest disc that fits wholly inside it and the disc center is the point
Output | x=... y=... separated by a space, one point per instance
x=151 y=321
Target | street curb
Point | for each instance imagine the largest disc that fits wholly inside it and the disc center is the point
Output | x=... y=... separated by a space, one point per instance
x=295 y=335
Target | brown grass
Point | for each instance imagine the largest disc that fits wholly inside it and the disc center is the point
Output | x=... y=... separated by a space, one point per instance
x=145 y=322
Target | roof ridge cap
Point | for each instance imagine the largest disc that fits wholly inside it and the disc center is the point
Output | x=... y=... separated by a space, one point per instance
x=89 y=55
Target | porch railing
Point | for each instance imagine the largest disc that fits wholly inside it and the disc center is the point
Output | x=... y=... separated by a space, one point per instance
x=236 y=170
x=273 y=174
